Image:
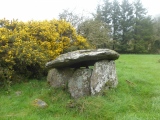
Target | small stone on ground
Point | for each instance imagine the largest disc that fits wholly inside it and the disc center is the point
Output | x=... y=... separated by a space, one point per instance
x=40 y=103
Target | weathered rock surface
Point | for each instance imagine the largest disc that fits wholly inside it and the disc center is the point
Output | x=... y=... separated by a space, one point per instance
x=59 y=77
x=67 y=72
x=82 y=58
x=103 y=76
x=79 y=84
x=40 y=103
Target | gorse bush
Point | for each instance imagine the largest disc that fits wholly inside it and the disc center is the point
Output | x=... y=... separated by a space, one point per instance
x=25 y=47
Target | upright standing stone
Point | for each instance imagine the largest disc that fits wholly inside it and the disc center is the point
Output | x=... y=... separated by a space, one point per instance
x=103 y=76
x=79 y=84
x=59 y=77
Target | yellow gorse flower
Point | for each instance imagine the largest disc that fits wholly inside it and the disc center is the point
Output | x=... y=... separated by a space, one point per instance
x=29 y=43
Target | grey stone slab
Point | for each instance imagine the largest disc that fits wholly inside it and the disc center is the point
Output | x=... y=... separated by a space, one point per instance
x=82 y=58
x=103 y=76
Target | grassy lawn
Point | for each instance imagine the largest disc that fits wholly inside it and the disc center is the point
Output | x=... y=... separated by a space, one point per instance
x=137 y=96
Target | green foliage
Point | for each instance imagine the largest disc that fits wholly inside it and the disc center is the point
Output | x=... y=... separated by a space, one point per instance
x=115 y=19
x=136 y=97
x=106 y=12
x=129 y=26
x=71 y=17
x=156 y=46
x=94 y=30
x=156 y=40
x=126 y=21
x=139 y=48
x=96 y=33
x=25 y=47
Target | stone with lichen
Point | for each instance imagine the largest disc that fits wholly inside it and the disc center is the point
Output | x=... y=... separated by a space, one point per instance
x=82 y=58
x=68 y=71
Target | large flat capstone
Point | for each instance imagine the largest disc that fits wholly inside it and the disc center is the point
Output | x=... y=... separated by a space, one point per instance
x=82 y=58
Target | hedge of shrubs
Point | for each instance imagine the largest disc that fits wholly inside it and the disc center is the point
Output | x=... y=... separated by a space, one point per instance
x=25 y=47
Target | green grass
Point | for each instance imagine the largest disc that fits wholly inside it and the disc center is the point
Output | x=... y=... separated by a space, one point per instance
x=137 y=96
